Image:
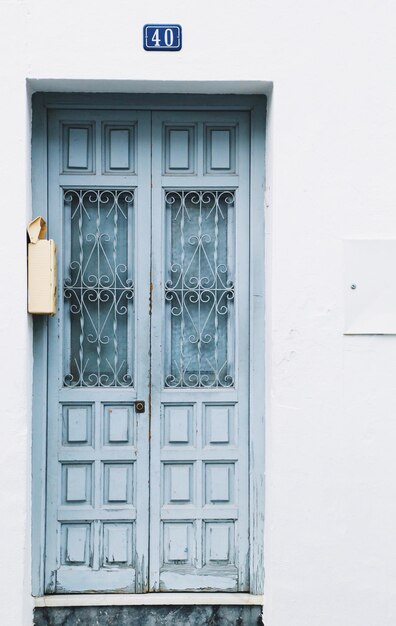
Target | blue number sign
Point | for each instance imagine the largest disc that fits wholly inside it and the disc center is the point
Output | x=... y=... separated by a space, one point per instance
x=162 y=37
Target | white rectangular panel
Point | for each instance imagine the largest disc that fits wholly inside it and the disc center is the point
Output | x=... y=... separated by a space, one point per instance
x=369 y=286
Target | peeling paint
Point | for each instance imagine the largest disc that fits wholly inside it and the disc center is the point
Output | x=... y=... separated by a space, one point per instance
x=176 y=581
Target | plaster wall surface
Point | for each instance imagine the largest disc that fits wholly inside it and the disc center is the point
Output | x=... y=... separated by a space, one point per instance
x=330 y=500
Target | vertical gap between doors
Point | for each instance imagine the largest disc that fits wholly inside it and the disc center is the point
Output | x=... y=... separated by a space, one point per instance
x=148 y=585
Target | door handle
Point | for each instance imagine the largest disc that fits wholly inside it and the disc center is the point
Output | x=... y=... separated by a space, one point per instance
x=140 y=406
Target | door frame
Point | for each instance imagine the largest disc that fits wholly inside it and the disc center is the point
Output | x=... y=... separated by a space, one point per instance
x=256 y=106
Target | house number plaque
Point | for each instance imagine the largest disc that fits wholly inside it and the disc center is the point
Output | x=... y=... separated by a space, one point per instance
x=162 y=37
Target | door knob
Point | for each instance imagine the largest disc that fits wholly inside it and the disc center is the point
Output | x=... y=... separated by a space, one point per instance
x=140 y=406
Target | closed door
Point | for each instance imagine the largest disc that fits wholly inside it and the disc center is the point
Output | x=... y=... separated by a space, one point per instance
x=148 y=405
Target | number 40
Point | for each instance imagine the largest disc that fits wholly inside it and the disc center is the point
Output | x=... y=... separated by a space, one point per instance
x=168 y=37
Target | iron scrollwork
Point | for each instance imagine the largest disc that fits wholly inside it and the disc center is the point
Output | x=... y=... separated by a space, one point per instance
x=200 y=289
x=99 y=288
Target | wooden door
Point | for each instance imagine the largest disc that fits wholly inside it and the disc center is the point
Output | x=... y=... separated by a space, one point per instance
x=150 y=212
x=97 y=468
x=200 y=352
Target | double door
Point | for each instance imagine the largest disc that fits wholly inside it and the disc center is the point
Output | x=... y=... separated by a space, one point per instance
x=148 y=408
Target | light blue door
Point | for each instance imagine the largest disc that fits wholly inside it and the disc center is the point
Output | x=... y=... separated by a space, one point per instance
x=150 y=212
x=200 y=352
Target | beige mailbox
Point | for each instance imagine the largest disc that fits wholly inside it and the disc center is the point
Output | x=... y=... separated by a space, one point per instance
x=41 y=270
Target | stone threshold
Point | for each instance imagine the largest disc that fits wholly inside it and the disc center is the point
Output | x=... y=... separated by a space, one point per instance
x=149 y=599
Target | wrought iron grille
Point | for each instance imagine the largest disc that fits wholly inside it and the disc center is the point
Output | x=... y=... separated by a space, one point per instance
x=99 y=287
x=199 y=290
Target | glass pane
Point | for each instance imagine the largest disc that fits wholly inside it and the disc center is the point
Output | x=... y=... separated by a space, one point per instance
x=199 y=290
x=99 y=289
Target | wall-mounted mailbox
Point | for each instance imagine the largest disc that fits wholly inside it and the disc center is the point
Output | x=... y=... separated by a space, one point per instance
x=41 y=270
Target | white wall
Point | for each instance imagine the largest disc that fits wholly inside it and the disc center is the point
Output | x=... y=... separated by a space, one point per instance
x=331 y=424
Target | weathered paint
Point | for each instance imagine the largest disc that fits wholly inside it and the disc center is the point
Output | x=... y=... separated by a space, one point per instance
x=211 y=477
x=199 y=488
x=97 y=443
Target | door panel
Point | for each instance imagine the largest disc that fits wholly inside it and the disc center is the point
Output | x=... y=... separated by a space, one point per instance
x=150 y=212
x=200 y=333
x=99 y=180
